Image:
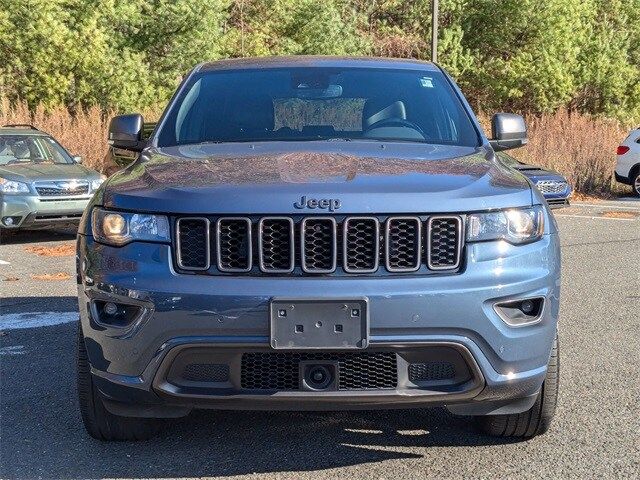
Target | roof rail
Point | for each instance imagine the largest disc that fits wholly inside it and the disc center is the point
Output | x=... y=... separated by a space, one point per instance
x=19 y=125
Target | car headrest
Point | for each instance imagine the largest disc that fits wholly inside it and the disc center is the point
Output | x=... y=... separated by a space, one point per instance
x=252 y=114
x=376 y=110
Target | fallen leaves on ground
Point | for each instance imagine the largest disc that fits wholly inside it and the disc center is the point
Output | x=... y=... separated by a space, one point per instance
x=582 y=197
x=7 y=278
x=62 y=250
x=51 y=276
x=619 y=214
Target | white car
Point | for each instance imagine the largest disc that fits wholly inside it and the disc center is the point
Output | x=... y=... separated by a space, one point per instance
x=628 y=166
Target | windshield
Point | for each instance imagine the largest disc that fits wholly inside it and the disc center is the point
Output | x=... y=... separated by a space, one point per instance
x=298 y=104
x=31 y=149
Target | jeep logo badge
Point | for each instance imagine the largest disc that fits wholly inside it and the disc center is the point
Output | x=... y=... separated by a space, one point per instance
x=331 y=204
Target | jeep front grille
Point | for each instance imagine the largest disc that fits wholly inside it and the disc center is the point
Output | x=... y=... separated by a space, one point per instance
x=233 y=241
x=319 y=245
x=341 y=245
x=443 y=242
x=361 y=244
x=403 y=242
x=276 y=250
x=192 y=241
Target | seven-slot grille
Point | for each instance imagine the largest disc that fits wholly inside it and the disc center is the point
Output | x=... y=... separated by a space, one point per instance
x=319 y=245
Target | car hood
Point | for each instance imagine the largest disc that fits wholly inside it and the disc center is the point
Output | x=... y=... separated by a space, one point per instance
x=535 y=170
x=269 y=178
x=37 y=172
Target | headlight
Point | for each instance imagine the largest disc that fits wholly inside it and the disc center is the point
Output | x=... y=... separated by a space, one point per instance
x=119 y=228
x=95 y=184
x=9 y=186
x=517 y=225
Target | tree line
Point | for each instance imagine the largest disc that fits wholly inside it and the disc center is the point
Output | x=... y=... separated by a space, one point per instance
x=531 y=56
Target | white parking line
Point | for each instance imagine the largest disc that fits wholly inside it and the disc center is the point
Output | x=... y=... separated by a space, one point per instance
x=2 y=262
x=18 y=321
x=558 y=215
x=606 y=205
x=13 y=350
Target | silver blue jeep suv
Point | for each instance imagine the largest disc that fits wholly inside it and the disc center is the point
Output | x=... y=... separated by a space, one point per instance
x=317 y=233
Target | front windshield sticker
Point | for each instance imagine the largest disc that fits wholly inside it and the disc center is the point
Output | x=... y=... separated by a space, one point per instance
x=426 y=82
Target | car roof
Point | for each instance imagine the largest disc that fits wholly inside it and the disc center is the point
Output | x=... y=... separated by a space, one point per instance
x=317 y=61
x=21 y=129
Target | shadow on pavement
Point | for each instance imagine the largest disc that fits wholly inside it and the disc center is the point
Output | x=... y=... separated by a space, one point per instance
x=37 y=304
x=33 y=236
x=43 y=435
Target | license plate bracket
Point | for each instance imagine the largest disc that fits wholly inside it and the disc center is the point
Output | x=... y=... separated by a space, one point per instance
x=319 y=323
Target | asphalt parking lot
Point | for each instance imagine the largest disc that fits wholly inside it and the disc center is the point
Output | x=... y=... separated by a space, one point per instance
x=596 y=432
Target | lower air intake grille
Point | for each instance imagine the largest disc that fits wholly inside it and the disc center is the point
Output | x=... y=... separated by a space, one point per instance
x=193 y=243
x=432 y=371
x=444 y=242
x=206 y=372
x=356 y=371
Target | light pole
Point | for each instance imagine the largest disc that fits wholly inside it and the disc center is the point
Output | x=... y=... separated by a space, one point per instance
x=434 y=30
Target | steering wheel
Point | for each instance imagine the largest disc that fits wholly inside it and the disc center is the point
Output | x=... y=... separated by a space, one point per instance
x=397 y=122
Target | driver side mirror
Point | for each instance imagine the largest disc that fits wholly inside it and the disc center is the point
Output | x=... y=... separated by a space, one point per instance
x=77 y=159
x=125 y=132
x=508 y=130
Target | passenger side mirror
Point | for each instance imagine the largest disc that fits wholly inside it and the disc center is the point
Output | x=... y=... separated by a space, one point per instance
x=77 y=159
x=125 y=132
x=508 y=130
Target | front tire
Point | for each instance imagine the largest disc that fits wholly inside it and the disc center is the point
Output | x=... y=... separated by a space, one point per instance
x=635 y=183
x=537 y=419
x=98 y=421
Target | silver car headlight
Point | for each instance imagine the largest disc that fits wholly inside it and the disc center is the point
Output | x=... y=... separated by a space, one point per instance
x=95 y=184
x=11 y=186
x=516 y=225
x=120 y=228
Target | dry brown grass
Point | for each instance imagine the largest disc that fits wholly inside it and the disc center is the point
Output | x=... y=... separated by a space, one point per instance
x=85 y=134
x=578 y=146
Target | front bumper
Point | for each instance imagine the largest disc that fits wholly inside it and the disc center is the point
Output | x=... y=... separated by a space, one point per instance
x=32 y=211
x=228 y=316
x=622 y=179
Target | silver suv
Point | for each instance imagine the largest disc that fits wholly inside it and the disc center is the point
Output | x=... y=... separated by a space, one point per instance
x=41 y=185
x=317 y=233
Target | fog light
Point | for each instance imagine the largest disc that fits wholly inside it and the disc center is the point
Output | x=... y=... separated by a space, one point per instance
x=527 y=306
x=110 y=308
x=114 y=314
x=9 y=221
x=518 y=313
